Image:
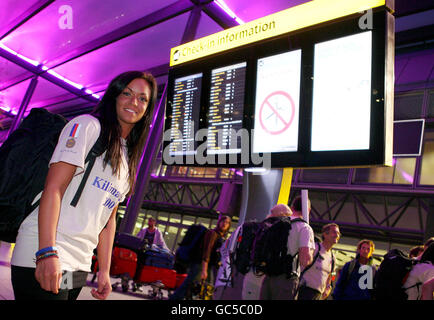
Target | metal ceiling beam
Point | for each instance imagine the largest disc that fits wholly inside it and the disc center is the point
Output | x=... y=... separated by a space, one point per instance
x=138 y=25
x=24 y=17
x=192 y=24
x=26 y=100
x=219 y=15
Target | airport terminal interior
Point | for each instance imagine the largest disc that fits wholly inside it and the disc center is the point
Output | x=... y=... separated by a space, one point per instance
x=61 y=56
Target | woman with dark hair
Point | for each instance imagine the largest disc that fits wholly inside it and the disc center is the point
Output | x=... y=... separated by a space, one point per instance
x=420 y=277
x=55 y=243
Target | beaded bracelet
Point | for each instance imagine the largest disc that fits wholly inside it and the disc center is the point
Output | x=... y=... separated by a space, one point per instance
x=47 y=255
x=45 y=250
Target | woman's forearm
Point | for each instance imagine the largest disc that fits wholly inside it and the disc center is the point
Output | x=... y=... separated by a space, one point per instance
x=48 y=218
x=58 y=178
x=105 y=244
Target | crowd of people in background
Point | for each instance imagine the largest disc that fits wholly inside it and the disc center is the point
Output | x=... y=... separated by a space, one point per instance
x=310 y=271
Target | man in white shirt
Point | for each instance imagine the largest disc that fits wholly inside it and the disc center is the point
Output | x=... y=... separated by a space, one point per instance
x=315 y=283
x=301 y=242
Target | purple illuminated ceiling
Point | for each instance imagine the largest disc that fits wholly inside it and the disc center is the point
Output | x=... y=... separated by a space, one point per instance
x=76 y=47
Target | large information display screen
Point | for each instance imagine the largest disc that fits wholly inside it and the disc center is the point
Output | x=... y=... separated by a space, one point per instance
x=341 y=110
x=315 y=97
x=277 y=103
x=226 y=109
x=185 y=114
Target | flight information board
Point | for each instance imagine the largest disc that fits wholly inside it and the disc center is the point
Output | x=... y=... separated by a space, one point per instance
x=309 y=98
x=185 y=114
x=225 y=117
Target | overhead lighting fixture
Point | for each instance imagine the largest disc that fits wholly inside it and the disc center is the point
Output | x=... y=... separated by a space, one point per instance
x=225 y=7
x=4 y=108
x=48 y=70
x=33 y=62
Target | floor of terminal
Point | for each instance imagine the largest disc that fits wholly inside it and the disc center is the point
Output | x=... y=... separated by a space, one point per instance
x=6 y=292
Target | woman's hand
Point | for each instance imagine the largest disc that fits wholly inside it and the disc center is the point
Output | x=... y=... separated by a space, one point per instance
x=104 y=286
x=48 y=274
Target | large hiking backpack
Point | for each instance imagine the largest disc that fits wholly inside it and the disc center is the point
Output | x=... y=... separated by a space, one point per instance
x=24 y=159
x=391 y=276
x=189 y=249
x=241 y=257
x=270 y=247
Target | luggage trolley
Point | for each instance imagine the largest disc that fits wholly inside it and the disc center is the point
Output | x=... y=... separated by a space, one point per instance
x=133 y=259
x=126 y=249
x=155 y=267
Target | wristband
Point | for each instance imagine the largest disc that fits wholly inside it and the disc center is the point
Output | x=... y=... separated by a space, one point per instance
x=45 y=250
x=47 y=255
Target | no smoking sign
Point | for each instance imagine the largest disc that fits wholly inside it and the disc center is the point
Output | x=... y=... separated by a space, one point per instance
x=277 y=112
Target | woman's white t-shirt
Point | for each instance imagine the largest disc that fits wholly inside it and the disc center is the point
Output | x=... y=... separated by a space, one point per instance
x=78 y=227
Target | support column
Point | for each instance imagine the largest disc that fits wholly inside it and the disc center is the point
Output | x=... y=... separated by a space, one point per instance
x=135 y=202
x=144 y=171
x=260 y=194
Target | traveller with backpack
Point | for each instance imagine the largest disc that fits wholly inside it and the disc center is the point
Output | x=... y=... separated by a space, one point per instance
x=201 y=253
x=350 y=284
x=315 y=281
x=283 y=244
x=229 y=281
x=419 y=279
x=60 y=234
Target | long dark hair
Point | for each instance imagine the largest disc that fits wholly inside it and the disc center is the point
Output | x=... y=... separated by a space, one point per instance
x=105 y=111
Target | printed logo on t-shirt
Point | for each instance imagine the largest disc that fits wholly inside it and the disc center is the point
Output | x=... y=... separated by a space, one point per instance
x=107 y=186
x=72 y=135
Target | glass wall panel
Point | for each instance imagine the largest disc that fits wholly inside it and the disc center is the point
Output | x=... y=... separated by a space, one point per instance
x=188 y=220
x=204 y=221
x=373 y=175
x=170 y=236
x=408 y=106
x=210 y=173
x=431 y=104
x=427 y=167
x=196 y=172
x=178 y=171
x=402 y=172
x=324 y=175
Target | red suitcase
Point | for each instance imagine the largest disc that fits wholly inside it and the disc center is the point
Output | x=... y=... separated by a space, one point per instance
x=123 y=261
x=149 y=274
